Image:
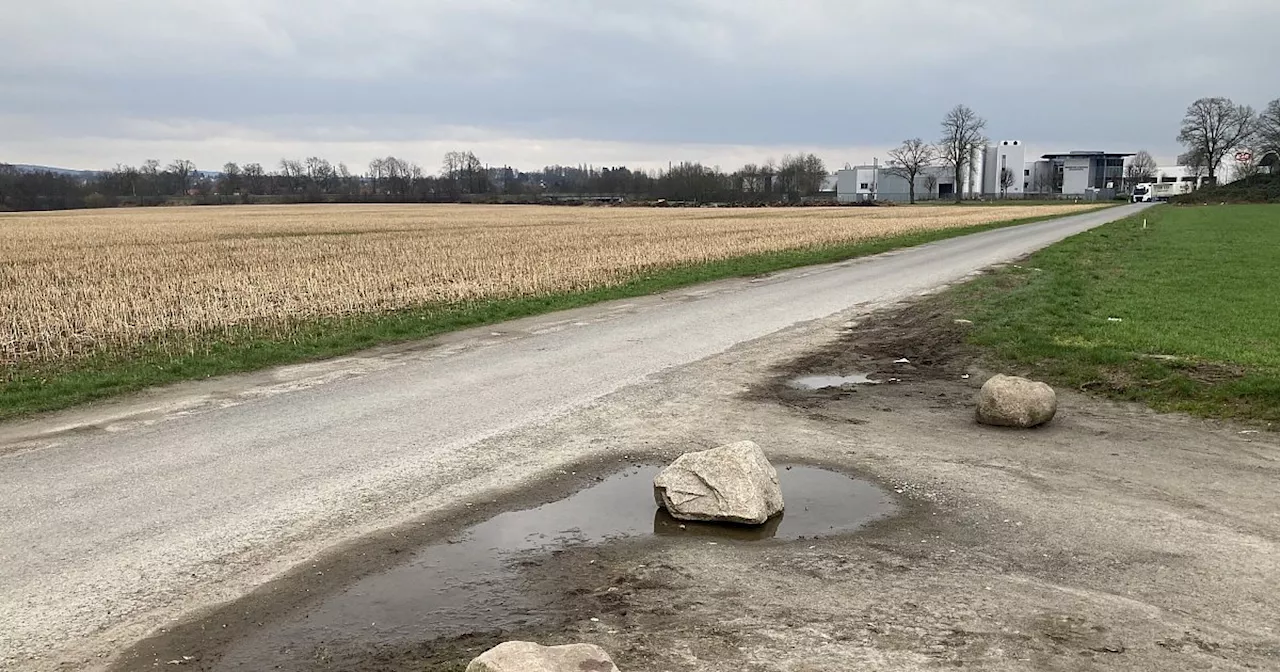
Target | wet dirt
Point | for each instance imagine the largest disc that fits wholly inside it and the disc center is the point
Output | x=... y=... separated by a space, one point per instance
x=1112 y=538
x=828 y=381
x=473 y=581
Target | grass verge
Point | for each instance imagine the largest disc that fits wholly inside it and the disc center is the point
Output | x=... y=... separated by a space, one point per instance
x=46 y=387
x=1183 y=315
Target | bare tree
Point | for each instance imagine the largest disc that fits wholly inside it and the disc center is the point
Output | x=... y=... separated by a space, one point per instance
x=1215 y=127
x=1141 y=168
x=1269 y=128
x=931 y=184
x=1195 y=163
x=961 y=138
x=255 y=178
x=909 y=160
x=752 y=182
x=1007 y=179
x=182 y=170
x=230 y=182
x=292 y=173
x=801 y=175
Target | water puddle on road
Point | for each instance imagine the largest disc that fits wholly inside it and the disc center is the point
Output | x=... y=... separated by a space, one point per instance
x=827 y=382
x=472 y=584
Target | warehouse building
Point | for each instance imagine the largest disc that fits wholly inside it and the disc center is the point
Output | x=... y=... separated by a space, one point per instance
x=1001 y=170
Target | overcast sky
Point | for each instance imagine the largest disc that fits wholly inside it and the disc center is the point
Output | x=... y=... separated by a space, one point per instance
x=534 y=82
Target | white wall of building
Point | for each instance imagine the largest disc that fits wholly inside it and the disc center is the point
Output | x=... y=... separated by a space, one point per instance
x=1007 y=154
x=864 y=183
x=1076 y=175
x=1037 y=177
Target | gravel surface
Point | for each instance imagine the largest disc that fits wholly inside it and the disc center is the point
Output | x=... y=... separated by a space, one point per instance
x=119 y=518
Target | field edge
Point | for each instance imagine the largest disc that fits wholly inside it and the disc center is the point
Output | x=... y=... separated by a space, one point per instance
x=1039 y=318
x=42 y=388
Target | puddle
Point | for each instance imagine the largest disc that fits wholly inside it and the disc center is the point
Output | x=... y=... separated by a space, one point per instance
x=472 y=583
x=826 y=382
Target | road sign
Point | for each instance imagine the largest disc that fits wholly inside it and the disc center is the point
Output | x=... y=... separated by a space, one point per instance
x=1244 y=157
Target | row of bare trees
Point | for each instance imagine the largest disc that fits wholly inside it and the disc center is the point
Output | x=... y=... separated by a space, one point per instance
x=962 y=138
x=462 y=176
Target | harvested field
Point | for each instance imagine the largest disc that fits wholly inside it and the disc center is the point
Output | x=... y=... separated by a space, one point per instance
x=76 y=283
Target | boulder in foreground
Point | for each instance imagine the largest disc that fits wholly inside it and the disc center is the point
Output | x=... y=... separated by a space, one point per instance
x=1009 y=401
x=730 y=484
x=530 y=657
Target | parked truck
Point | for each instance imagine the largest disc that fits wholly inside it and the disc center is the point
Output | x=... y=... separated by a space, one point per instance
x=1154 y=192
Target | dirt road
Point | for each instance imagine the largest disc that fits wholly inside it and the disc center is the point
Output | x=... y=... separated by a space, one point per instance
x=1113 y=538
x=120 y=518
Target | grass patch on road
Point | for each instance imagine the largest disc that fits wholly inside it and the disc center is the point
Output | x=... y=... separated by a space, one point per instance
x=1183 y=315
x=35 y=388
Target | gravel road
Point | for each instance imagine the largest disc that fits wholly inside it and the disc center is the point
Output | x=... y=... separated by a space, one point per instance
x=119 y=518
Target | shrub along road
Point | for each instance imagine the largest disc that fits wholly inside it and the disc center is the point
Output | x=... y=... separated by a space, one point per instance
x=117 y=518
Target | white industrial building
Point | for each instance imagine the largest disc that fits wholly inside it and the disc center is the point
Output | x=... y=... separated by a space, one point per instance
x=1075 y=174
x=1006 y=158
x=856 y=184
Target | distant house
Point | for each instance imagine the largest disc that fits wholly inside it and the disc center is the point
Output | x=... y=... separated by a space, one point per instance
x=876 y=183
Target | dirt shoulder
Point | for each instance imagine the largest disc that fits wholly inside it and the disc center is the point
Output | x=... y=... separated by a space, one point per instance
x=1114 y=537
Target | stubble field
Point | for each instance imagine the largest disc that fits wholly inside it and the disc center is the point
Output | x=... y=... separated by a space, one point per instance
x=73 y=284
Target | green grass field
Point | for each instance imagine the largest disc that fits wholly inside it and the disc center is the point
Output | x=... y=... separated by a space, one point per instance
x=1183 y=315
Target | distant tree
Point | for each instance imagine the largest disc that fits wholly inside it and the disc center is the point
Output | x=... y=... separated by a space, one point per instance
x=931 y=184
x=1213 y=128
x=961 y=138
x=1141 y=168
x=1007 y=179
x=749 y=179
x=254 y=178
x=319 y=175
x=1196 y=164
x=1269 y=128
x=149 y=176
x=120 y=181
x=292 y=175
x=182 y=171
x=463 y=173
x=230 y=181
x=909 y=160
x=769 y=175
x=801 y=175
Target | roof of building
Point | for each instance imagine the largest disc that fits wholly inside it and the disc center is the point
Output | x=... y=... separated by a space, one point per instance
x=1087 y=154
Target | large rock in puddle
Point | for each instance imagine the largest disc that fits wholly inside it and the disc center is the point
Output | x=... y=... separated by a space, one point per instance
x=530 y=657
x=1009 y=401
x=730 y=484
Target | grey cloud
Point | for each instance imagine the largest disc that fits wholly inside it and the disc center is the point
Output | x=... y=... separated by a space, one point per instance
x=741 y=72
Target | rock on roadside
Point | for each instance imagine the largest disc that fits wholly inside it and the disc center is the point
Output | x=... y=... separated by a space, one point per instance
x=731 y=484
x=1010 y=401
x=530 y=657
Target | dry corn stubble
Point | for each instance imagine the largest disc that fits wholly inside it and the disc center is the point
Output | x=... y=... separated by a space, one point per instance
x=75 y=283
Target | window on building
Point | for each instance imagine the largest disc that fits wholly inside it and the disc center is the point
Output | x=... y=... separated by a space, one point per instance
x=1026 y=173
x=1168 y=179
x=864 y=185
x=1188 y=179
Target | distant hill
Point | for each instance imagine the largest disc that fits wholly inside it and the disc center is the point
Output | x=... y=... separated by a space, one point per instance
x=28 y=168
x=86 y=174
x=1256 y=189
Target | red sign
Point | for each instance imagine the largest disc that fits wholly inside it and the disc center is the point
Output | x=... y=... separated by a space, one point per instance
x=1244 y=157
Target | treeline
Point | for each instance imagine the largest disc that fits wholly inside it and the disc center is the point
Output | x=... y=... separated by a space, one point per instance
x=462 y=178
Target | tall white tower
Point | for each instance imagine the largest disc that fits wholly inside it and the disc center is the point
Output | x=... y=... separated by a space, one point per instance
x=1008 y=159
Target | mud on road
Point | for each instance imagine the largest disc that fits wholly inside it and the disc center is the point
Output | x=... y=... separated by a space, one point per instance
x=1114 y=538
